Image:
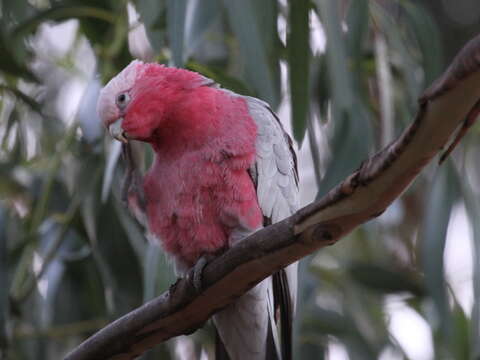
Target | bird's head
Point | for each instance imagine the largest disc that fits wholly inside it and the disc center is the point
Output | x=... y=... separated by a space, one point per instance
x=135 y=103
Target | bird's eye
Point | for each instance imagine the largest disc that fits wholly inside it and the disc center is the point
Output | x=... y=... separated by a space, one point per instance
x=122 y=100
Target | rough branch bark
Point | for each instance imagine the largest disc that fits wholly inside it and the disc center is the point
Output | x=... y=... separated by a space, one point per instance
x=365 y=194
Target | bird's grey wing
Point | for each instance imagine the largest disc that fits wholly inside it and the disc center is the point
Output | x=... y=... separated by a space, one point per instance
x=248 y=327
x=275 y=170
x=276 y=179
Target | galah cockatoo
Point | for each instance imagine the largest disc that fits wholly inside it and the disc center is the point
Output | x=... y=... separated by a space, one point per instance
x=223 y=169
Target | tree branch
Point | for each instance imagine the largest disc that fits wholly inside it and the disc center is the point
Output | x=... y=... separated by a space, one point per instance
x=364 y=195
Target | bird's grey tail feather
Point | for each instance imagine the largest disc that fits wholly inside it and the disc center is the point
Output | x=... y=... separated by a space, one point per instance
x=220 y=350
x=272 y=353
x=283 y=302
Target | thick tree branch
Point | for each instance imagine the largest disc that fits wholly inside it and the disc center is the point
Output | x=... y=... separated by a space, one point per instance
x=363 y=195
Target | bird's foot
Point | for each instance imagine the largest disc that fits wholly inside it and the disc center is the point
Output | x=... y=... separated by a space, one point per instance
x=198 y=271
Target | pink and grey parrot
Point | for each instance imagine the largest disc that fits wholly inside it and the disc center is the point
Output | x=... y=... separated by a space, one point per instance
x=223 y=169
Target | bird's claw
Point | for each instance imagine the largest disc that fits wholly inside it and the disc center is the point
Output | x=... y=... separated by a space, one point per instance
x=198 y=271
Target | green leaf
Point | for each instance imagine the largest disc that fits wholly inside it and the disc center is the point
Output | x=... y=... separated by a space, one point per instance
x=158 y=272
x=326 y=322
x=59 y=13
x=135 y=236
x=200 y=15
x=34 y=105
x=472 y=205
x=9 y=62
x=401 y=51
x=321 y=87
x=385 y=279
x=427 y=33
x=358 y=29
x=4 y=283
x=14 y=11
x=87 y=117
x=176 y=13
x=439 y=202
x=339 y=74
x=266 y=12
x=150 y=271
x=352 y=136
x=357 y=21
x=112 y=160
x=219 y=76
x=120 y=269
x=248 y=31
x=305 y=347
x=153 y=15
x=460 y=341
x=298 y=47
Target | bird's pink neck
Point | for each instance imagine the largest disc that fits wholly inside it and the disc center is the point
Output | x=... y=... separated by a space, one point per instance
x=190 y=124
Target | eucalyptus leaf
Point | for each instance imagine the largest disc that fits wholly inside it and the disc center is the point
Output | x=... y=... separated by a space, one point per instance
x=339 y=76
x=472 y=205
x=352 y=134
x=158 y=272
x=153 y=15
x=385 y=279
x=87 y=116
x=114 y=155
x=427 y=33
x=298 y=47
x=4 y=283
x=248 y=31
x=460 y=342
x=222 y=78
x=176 y=14
x=59 y=13
x=358 y=19
x=200 y=15
x=439 y=202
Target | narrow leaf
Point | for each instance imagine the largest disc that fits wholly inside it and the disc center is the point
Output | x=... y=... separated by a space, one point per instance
x=357 y=21
x=60 y=13
x=472 y=205
x=427 y=33
x=200 y=14
x=298 y=47
x=386 y=280
x=439 y=203
x=176 y=12
x=153 y=15
x=248 y=31
x=112 y=160
x=339 y=74
x=352 y=136
x=4 y=284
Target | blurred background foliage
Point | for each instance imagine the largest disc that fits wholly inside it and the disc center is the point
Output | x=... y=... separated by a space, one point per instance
x=344 y=76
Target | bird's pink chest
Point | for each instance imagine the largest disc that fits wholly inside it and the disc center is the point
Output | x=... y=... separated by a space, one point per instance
x=193 y=204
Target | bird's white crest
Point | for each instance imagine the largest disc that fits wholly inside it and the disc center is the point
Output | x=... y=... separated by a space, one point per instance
x=106 y=108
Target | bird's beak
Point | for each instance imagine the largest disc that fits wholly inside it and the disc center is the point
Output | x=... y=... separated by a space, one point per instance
x=115 y=129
